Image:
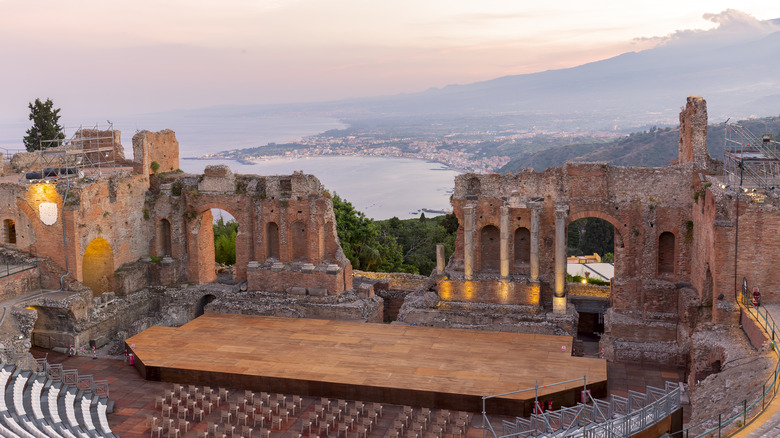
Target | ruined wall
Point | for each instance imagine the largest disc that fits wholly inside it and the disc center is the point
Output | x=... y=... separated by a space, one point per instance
x=283 y=221
x=161 y=147
x=715 y=231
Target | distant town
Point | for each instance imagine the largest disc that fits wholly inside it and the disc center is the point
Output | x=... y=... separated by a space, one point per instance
x=479 y=151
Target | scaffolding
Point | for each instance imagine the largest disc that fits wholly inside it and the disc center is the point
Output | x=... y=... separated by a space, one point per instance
x=88 y=151
x=751 y=162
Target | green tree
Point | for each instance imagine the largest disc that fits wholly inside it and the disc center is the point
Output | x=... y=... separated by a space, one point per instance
x=590 y=235
x=46 y=122
x=225 y=241
x=363 y=243
x=418 y=239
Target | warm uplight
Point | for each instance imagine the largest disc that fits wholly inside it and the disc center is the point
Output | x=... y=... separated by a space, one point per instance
x=98 y=266
x=45 y=200
x=469 y=289
x=445 y=290
x=584 y=281
x=503 y=291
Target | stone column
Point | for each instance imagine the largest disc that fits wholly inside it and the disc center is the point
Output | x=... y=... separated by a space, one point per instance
x=536 y=210
x=559 y=295
x=440 y=259
x=504 y=248
x=468 y=242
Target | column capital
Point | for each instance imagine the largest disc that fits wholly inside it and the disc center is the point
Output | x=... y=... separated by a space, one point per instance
x=561 y=211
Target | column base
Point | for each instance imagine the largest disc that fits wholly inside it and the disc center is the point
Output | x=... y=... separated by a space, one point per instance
x=559 y=305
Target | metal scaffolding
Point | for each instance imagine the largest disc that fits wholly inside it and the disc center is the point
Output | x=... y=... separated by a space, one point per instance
x=750 y=161
x=88 y=151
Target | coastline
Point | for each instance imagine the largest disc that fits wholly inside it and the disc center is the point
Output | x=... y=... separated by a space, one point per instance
x=265 y=158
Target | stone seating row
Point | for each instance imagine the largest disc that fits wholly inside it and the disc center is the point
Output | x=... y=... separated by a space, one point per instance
x=34 y=406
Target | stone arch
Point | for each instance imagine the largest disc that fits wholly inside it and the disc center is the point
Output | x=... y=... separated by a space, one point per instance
x=574 y=215
x=200 y=306
x=9 y=231
x=666 y=258
x=490 y=249
x=164 y=238
x=522 y=242
x=200 y=239
x=299 y=241
x=272 y=241
x=97 y=266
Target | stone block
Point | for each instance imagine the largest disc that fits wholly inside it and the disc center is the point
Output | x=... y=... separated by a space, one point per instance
x=300 y=291
x=318 y=291
x=253 y=265
x=307 y=268
x=333 y=269
x=365 y=290
x=277 y=267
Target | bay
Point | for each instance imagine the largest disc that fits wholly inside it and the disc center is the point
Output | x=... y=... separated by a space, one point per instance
x=380 y=187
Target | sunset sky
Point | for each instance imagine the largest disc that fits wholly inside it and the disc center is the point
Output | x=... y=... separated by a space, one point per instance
x=106 y=59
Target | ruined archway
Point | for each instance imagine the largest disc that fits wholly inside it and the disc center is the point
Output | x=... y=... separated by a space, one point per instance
x=666 y=253
x=164 y=238
x=200 y=307
x=9 y=231
x=215 y=245
x=522 y=243
x=299 y=241
x=97 y=267
x=54 y=327
x=490 y=249
x=272 y=241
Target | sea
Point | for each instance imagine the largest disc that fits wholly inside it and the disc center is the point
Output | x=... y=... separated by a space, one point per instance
x=379 y=187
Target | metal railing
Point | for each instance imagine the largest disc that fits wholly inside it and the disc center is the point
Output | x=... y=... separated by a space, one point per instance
x=55 y=372
x=746 y=410
x=613 y=418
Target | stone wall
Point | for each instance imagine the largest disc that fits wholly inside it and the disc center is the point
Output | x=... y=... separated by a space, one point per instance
x=161 y=147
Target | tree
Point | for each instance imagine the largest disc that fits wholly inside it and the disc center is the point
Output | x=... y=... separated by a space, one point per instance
x=45 y=122
x=363 y=244
x=225 y=241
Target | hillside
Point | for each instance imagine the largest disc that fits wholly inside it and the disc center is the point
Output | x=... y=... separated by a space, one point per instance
x=654 y=147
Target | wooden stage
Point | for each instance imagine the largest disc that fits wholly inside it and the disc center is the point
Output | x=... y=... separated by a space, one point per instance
x=397 y=364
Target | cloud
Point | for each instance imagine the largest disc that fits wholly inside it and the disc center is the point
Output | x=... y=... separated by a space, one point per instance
x=732 y=26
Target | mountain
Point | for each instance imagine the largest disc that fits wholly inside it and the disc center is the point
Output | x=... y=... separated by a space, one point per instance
x=654 y=147
x=736 y=78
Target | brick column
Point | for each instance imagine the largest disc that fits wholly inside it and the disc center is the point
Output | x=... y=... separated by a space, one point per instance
x=504 y=248
x=468 y=242
x=559 y=295
x=535 y=212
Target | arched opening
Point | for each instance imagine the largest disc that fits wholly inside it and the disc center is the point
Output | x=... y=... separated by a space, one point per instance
x=9 y=231
x=591 y=239
x=225 y=231
x=591 y=247
x=97 y=266
x=299 y=240
x=53 y=328
x=164 y=238
x=666 y=253
x=200 y=307
x=522 y=247
x=272 y=241
x=490 y=243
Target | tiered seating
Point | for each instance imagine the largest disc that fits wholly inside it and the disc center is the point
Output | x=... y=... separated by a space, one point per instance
x=33 y=405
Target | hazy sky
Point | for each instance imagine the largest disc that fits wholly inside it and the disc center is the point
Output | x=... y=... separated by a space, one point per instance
x=104 y=59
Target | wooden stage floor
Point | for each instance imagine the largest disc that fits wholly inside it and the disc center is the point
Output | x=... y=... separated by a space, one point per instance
x=399 y=364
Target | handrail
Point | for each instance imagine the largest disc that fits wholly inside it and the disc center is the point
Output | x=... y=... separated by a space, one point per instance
x=768 y=390
x=582 y=420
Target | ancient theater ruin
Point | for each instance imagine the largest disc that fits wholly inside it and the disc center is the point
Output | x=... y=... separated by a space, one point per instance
x=98 y=249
